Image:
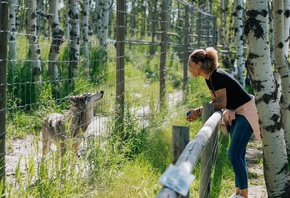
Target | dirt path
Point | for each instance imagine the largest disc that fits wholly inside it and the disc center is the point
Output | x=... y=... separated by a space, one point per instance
x=257 y=188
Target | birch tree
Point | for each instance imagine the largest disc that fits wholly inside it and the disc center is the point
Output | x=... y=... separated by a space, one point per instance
x=85 y=29
x=266 y=90
x=224 y=11
x=74 y=39
x=13 y=9
x=281 y=47
x=152 y=8
x=33 y=40
x=57 y=40
x=239 y=7
x=102 y=11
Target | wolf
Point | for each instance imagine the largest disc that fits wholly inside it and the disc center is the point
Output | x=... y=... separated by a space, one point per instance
x=60 y=128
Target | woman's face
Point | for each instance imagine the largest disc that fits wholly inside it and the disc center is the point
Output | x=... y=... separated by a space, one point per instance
x=194 y=68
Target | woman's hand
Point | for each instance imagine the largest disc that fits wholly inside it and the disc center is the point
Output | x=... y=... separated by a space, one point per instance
x=194 y=114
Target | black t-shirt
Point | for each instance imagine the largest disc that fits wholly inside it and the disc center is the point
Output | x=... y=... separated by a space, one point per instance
x=236 y=94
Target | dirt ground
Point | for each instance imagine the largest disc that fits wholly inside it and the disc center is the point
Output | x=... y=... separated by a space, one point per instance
x=254 y=156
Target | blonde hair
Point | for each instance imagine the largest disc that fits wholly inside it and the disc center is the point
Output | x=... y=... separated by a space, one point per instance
x=207 y=57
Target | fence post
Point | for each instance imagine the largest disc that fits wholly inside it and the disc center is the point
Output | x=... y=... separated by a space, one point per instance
x=185 y=47
x=206 y=156
x=3 y=81
x=163 y=53
x=214 y=31
x=120 y=73
x=180 y=138
x=199 y=29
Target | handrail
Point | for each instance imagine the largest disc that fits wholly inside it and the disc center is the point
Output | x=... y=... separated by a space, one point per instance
x=189 y=157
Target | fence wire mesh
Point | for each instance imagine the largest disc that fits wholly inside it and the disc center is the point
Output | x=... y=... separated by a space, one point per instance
x=58 y=49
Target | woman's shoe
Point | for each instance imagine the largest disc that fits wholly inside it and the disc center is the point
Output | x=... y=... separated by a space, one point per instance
x=236 y=196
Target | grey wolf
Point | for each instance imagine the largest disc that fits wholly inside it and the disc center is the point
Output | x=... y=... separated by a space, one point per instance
x=61 y=128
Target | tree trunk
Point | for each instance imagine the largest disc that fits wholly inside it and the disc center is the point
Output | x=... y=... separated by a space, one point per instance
x=33 y=40
x=224 y=9
x=153 y=13
x=265 y=87
x=85 y=28
x=281 y=59
x=74 y=40
x=102 y=9
x=106 y=25
x=57 y=40
x=95 y=17
x=13 y=9
x=226 y=60
x=240 y=41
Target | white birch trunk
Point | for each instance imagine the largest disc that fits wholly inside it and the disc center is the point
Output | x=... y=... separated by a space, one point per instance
x=74 y=38
x=106 y=24
x=286 y=26
x=95 y=17
x=57 y=40
x=85 y=28
x=13 y=9
x=265 y=87
x=240 y=42
x=33 y=40
x=223 y=22
x=169 y=13
x=232 y=28
x=98 y=19
x=286 y=97
x=282 y=65
x=102 y=9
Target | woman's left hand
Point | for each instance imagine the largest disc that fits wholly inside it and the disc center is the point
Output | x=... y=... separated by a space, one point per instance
x=193 y=115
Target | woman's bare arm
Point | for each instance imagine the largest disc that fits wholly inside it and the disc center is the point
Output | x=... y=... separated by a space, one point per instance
x=219 y=99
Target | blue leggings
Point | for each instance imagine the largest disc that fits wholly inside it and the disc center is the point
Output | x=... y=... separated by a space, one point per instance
x=240 y=133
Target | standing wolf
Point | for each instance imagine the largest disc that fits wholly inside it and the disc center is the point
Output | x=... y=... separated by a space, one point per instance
x=61 y=128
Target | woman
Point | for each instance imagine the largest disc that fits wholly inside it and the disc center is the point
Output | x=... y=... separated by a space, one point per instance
x=240 y=115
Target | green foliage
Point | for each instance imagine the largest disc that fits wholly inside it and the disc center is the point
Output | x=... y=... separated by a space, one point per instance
x=21 y=123
x=98 y=65
x=198 y=93
x=22 y=90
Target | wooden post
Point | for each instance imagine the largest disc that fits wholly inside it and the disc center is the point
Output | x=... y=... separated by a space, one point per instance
x=185 y=47
x=164 y=17
x=199 y=29
x=120 y=74
x=180 y=138
x=207 y=155
x=214 y=32
x=3 y=81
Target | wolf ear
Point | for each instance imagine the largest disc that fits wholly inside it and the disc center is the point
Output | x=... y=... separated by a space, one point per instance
x=73 y=99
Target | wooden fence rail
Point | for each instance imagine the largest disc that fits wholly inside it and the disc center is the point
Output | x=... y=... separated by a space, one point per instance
x=204 y=144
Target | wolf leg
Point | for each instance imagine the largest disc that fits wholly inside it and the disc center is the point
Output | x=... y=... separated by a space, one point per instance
x=46 y=143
